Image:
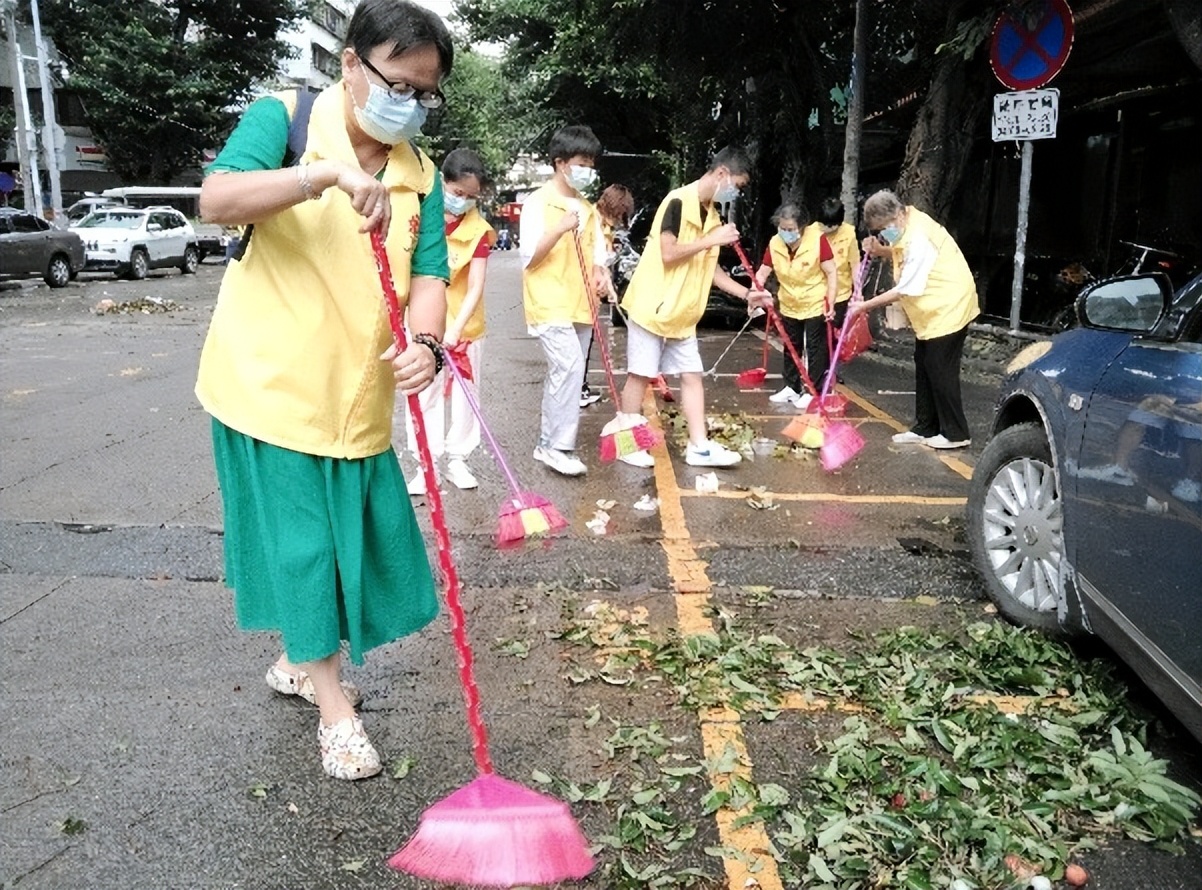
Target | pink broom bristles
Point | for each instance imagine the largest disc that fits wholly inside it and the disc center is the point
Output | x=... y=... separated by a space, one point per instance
x=496 y=833
x=527 y=516
x=840 y=443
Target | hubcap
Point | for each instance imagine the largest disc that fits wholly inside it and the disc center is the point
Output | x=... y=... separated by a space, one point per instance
x=1023 y=532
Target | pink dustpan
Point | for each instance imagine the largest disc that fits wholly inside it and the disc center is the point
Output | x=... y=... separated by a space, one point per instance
x=496 y=833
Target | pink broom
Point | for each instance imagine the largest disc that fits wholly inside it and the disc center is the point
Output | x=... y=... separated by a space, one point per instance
x=491 y=832
x=626 y=433
x=840 y=441
x=525 y=515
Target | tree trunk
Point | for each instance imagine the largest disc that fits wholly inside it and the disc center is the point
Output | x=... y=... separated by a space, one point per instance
x=1186 y=19
x=855 y=115
x=949 y=121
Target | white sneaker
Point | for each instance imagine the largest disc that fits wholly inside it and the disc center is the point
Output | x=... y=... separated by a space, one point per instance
x=943 y=442
x=802 y=401
x=1108 y=473
x=710 y=455
x=909 y=437
x=639 y=459
x=1188 y=490
x=417 y=485
x=560 y=461
x=460 y=475
x=588 y=397
x=787 y=394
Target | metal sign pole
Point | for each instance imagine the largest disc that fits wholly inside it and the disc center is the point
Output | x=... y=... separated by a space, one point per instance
x=1020 y=239
x=50 y=141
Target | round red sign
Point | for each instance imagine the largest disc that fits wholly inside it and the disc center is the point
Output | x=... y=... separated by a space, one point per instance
x=1031 y=43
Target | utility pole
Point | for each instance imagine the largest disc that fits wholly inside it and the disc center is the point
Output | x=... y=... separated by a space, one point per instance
x=26 y=142
x=50 y=141
x=855 y=115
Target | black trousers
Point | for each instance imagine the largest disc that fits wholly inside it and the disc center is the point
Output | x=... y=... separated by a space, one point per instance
x=808 y=336
x=938 y=407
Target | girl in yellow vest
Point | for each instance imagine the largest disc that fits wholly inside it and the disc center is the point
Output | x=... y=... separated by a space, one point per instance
x=937 y=292
x=554 y=295
x=809 y=272
x=469 y=243
x=614 y=208
x=299 y=370
x=667 y=296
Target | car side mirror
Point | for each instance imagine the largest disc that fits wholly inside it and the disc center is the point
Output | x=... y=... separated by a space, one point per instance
x=1132 y=304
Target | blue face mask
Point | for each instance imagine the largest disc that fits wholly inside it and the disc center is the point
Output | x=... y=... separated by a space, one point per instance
x=580 y=177
x=388 y=119
x=890 y=234
x=457 y=205
x=726 y=193
x=789 y=236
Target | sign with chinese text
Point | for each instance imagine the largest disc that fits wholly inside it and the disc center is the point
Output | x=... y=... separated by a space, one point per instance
x=1025 y=114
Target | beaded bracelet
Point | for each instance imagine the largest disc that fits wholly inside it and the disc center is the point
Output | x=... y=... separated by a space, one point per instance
x=431 y=343
x=306 y=187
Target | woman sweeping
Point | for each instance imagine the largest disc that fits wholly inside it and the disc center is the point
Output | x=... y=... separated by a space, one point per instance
x=299 y=372
x=469 y=242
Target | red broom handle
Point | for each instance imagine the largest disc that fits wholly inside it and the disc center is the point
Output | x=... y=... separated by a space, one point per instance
x=598 y=334
x=467 y=676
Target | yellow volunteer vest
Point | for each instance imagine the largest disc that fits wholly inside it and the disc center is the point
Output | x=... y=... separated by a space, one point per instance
x=802 y=290
x=292 y=353
x=846 y=248
x=461 y=244
x=554 y=290
x=670 y=302
x=950 y=299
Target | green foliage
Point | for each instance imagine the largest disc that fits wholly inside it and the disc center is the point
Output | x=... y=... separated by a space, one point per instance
x=158 y=80
x=961 y=750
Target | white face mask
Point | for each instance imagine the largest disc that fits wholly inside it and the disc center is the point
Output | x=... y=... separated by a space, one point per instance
x=580 y=177
x=726 y=193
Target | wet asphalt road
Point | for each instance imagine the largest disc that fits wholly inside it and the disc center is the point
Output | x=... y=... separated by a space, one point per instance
x=129 y=701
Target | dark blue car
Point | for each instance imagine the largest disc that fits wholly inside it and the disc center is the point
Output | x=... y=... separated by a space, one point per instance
x=1085 y=509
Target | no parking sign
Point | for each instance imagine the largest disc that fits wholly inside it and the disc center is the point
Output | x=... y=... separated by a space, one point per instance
x=1031 y=42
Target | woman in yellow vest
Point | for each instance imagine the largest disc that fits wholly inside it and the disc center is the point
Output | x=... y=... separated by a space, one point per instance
x=807 y=270
x=299 y=370
x=937 y=292
x=469 y=243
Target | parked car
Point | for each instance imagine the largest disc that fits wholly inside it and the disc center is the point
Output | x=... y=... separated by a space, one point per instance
x=30 y=246
x=131 y=241
x=1085 y=508
x=213 y=240
x=85 y=205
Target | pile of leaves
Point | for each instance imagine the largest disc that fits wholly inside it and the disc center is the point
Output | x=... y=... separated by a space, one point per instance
x=734 y=431
x=143 y=305
x=959 y=752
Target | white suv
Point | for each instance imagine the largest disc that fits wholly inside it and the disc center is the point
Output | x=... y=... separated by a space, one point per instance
x=132 y=241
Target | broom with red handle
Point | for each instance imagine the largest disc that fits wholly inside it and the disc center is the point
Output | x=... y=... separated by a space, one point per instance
x=491 y=832
x=626 y=433
x=526 y=514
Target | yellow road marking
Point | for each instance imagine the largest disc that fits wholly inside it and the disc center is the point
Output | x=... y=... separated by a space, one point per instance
x=956 y=465
x=720 y=727
x=816 y=496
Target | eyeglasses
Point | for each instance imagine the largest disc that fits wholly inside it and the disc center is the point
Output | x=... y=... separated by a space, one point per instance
x=401 y=90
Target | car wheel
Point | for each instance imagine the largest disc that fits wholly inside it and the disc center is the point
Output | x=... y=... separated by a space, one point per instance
x=191 y=261
x=1016 y=530
x=139 y=265
x=58 y=271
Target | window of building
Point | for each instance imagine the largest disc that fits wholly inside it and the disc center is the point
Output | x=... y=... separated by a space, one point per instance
x=331 y=19
x=325 y=61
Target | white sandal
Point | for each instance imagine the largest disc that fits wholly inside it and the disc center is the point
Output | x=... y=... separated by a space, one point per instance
x=301 y=684
x=346 y=752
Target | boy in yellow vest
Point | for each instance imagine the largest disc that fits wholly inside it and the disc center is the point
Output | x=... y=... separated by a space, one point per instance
x=815 y=266
x=667 y=296
x=469 y=243
x=556 y=300
x=937 y=292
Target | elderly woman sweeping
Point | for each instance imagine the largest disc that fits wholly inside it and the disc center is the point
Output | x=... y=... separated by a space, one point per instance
x=937 y=292
x=299 y=370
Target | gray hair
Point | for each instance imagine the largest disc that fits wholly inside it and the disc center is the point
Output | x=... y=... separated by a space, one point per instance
x=881 y=207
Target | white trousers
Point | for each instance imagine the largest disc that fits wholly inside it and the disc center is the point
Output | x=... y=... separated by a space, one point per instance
x=461 y=437
x=565 y=346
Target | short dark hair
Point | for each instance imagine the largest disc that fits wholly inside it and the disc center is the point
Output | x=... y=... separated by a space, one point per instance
x=402 y=24
x=830 y=212
x=573 y=140
x=463 y=162
x=734 y=159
